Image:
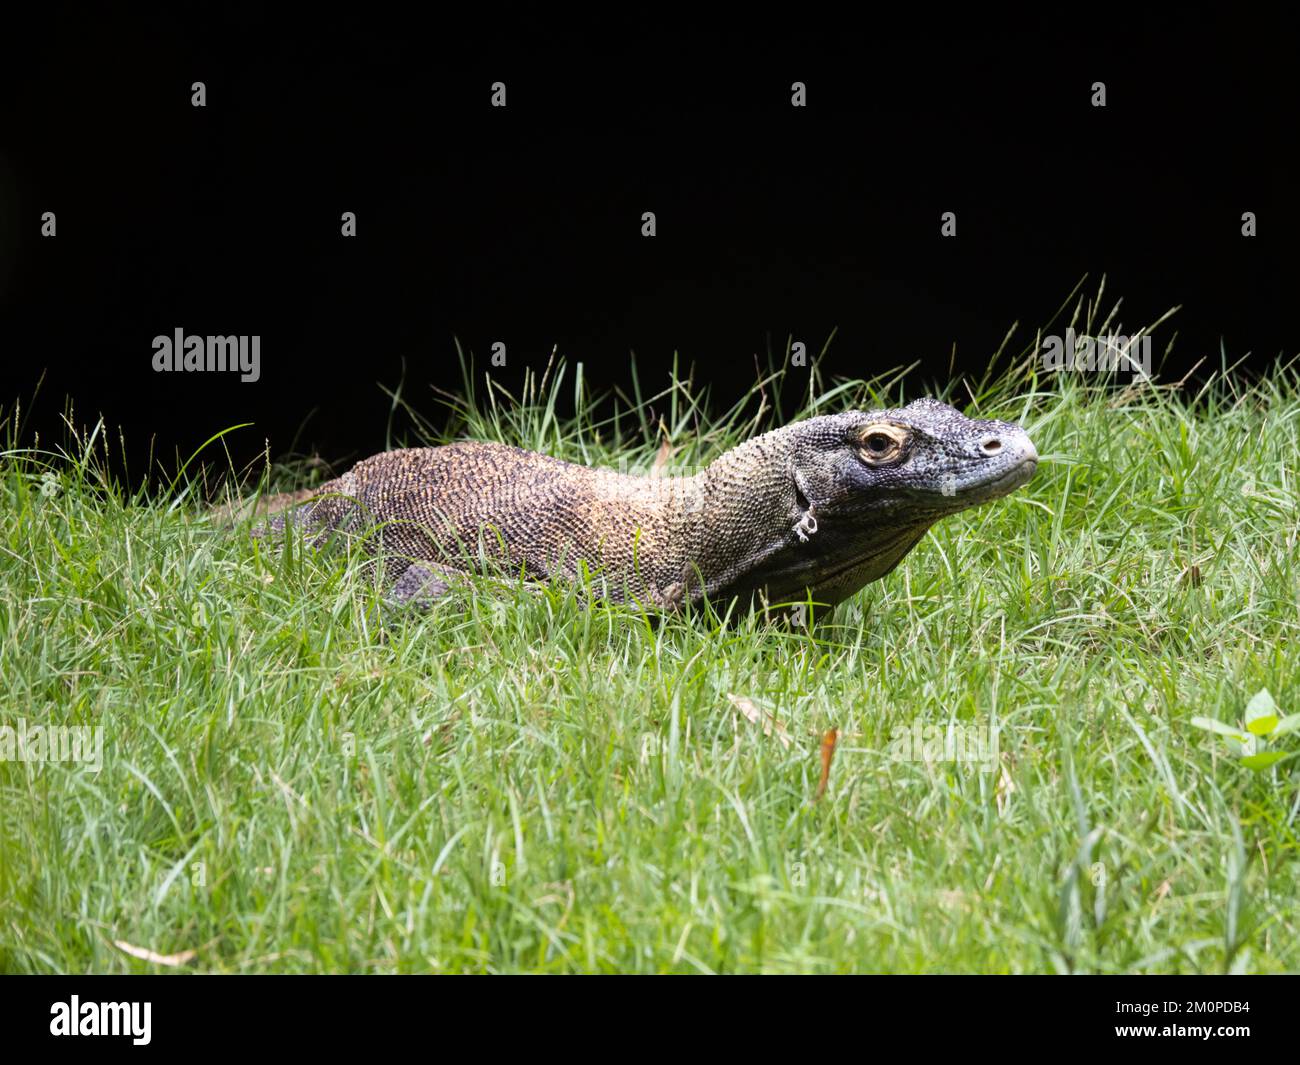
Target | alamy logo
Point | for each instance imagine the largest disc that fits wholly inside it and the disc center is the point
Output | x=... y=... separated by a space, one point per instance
x=678 y=486
x=973 y=744
x=102 y=1018
x=53 y=743
x=192 y=354
x=1104 y=353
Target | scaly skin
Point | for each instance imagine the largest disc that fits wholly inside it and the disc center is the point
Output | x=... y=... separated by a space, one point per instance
x=816 y=509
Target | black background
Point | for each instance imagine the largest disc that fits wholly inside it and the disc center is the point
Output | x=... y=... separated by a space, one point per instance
x=523 y=225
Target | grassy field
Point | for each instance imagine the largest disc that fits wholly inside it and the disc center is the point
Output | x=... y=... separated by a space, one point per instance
x=293 y=780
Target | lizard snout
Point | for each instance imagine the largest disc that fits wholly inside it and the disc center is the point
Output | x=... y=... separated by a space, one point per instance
x=1007 y=460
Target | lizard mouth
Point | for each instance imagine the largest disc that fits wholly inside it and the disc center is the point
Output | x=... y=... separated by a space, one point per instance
x=1003 y=484
x=935 y=504
x=1020 y=474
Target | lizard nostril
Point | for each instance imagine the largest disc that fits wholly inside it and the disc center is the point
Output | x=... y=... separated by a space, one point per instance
x=991 y=445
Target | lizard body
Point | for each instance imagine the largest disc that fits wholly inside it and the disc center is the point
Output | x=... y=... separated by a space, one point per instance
x=817 y=508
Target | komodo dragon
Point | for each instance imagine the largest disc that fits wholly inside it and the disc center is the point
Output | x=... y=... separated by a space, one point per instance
x=816 y=509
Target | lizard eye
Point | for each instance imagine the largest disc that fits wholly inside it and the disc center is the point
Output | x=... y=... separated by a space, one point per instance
x=883 y=443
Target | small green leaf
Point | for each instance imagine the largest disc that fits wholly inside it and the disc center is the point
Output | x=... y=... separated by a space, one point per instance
x=1288 y=724
x=1261 y=705
x=1262 y=726
x=1209 y=724
x=1264 y=760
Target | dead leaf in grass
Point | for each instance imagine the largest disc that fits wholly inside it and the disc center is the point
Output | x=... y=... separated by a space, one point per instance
x=662 y=456
x=1004 y=790
x=763 y=718
x=829 y=740
x=144 y=954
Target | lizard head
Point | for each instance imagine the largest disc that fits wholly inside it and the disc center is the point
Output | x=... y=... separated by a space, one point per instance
x=927 y=460
x=868 y=484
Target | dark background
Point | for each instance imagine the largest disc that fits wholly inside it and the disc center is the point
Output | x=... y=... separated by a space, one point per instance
x=523 y=225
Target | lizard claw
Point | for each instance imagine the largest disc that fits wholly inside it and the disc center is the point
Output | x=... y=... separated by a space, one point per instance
x=806 y=526
x=805 y=508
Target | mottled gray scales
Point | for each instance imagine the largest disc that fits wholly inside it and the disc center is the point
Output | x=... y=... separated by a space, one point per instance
x=817 y=508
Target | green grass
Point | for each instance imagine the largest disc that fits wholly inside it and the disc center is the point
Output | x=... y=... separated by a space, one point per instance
x=520 y=783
